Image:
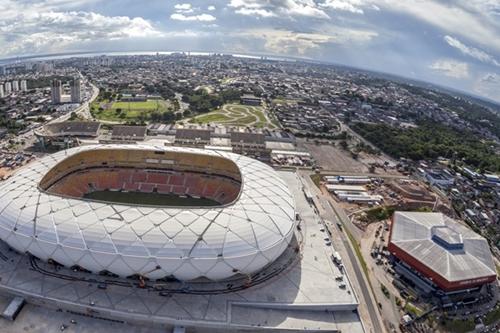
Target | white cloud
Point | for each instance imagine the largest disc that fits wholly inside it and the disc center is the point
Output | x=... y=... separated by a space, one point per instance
x=353 y=6
x=185 y=12
x=200 y=17
x=450 y=17
x=471 y=51
x=488 y=85
x=31 y=32
x=488 y=7
x=451 y=68
x=278 y=8
x=183 y=8
x=297 y=43
x=211 y=8
x=255 y=12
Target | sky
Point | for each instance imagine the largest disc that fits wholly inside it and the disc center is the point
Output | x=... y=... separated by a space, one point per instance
x=455 y=43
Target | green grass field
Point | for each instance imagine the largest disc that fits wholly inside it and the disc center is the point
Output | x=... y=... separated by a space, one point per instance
x=212 y=118
x=152 y=199
x=138 y=106
x=128 y=111
x=236 y=115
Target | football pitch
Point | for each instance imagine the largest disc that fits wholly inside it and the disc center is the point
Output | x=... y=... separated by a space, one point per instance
x=128 y=111
x=138 y=106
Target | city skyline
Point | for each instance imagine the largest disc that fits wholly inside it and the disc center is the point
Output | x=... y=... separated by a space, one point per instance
x=452 y=44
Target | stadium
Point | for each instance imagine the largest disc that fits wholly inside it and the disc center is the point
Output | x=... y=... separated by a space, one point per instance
x=155 y=212
x=436 y=252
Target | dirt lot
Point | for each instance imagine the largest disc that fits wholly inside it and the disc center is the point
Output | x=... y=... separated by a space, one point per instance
x=4 y=172
x=333 y=158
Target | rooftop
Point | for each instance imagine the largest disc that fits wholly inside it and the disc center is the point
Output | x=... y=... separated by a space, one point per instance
x=442 y=244
x=75 y=128
x=129 y=131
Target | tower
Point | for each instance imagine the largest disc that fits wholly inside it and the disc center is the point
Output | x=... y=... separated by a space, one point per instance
x=8 y=88
x=24 y=85
x=76 y=91
x=56 y=91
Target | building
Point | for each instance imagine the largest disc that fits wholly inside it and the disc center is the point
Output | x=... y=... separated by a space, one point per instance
x=67 y=134
x=134 y=98
x=56 y=92
x=250 y=100
x=24 y=85
x=347 y=179
x=44 y=67
x=439 y=178
x=128 y=133
x=2 y=92
x=235 y=237
x=76 y=91
x=192 y=137
x=436 y=252
x=248 y=143
x=8 y=88
x=15 y=85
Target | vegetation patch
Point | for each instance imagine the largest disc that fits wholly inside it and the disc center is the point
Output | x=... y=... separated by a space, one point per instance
x=458 y=326
x=316 y=178
x=379 y=213
x=413 y=310
x=493 y=316
x=431 y=140
x=385 y=291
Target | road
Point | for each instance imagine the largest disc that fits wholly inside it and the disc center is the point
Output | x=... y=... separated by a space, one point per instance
x=364 y=174
x=328 y=213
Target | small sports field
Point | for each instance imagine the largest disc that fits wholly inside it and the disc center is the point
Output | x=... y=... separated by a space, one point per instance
x=128 y=111
x=138 y=106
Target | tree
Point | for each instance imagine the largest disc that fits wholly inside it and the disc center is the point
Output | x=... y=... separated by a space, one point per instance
x=344 y=144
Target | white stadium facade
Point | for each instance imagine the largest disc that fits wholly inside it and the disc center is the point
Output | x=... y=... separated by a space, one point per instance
x=45 y=211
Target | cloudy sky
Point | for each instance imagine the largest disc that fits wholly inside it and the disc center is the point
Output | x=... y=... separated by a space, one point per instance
x=450 y=42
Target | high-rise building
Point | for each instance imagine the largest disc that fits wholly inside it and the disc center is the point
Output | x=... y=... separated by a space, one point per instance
x=3 y=71
x=2 y=93
x=76 y=91
x=8 y=88
x=24 y=85
x=15 y=85
x=44 y=67
x=56 y=91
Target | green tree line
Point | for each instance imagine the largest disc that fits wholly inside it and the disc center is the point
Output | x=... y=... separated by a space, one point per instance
x=430 y=141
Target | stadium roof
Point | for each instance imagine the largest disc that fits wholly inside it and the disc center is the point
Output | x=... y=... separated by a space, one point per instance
x=215 y=242
x=129 y=132
x=71 y=128
x=247 y=137
x=193 y=134
x=443 y=245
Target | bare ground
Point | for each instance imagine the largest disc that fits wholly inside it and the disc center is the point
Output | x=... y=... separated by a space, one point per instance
x=333 y=158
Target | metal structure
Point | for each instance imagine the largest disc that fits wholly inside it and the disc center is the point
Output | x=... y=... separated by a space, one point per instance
x=447 y=253
x=240 y=237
